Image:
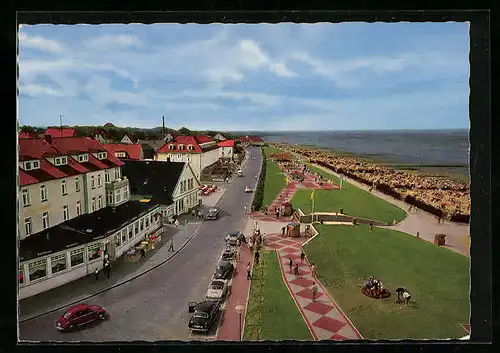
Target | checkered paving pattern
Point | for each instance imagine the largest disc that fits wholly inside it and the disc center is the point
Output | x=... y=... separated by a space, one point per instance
x=287 y=194
x=325 y=319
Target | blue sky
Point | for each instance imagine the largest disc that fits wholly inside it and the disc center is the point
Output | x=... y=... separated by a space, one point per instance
x=347 y=76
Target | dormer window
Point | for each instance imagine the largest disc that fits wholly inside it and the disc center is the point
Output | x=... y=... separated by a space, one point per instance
x=181 y=147
x=60 y=160
x=190 y=147
x=102 y=155
x=29 y=165
x=83 y=158
x=172 y=147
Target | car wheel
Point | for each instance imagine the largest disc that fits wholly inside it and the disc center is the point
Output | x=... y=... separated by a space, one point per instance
x=71 y=327
x=101 y=316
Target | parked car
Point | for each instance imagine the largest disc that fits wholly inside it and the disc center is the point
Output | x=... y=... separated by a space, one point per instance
x=232 y=238
x=80 y=315
x=204 y=315
x=217 y=289
x=224 y=270
x=248 y=188
x=228 y=254
x=212 y=213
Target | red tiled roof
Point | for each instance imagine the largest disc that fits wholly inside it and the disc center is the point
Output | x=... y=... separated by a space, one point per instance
x=133 y=151
x=204 y=139
x=181 y=140
x=40 y=149
x=57 y=132
x=28 y=135
x=249 y=139
x=227 y=143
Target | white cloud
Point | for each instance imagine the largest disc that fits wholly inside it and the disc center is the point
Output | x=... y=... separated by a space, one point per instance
x=112 y=42
x=35 y=90
x=39 y=43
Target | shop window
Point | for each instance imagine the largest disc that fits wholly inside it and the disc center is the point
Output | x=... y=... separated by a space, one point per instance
x=147 y=222
x=109 y=197
x=117 y=240
x=94 y=251
x=76 y=257
x=124 y=235
x=21 y=275
x=141 y=227
x=58 y=263
x=117 y=195
x=125 y=193
x=130 y=233
x=136 y=228
x=37 y=269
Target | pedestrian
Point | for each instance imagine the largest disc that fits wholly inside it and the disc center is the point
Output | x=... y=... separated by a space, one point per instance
x=314 y=290
x=171 y=247
x=290 y=263
x=107 y=268
x=96 y=273
x=313 y=270
x=283 y=230
x=143 y=254
x=406 y=296
x=257 y=257
x=296 y=270
x=302 y=256
x=418 y=235
x=245 y=209
x=249 y=274
x=176 y=223
x=371 y=226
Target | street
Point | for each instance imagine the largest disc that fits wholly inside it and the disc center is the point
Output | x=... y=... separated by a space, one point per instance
x=154 y=306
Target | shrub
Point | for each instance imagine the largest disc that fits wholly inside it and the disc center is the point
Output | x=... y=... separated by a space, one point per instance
x=259 y=190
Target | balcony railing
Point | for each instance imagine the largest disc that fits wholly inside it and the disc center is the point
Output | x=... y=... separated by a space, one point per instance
x=118 y=183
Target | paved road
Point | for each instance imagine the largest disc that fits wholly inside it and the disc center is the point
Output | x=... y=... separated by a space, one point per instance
x=154 y=306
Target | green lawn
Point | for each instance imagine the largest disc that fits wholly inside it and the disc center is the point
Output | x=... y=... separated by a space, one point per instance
x=437 y=278
x=272 y=313
x=353 y=202
x=271 y=150
x=273 y=184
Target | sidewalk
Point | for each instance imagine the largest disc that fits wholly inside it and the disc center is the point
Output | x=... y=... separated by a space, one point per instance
x=121 y=271
x=457 y=238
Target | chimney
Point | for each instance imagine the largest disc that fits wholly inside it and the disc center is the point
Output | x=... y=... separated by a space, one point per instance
x=163 y=130
x=48 y=139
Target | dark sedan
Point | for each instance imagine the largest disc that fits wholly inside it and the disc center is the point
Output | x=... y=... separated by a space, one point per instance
x=224 y=270
x=204 y=315
x=80 y=315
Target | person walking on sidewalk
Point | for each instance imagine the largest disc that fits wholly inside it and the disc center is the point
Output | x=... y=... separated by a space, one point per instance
x=176 y=223
x=171 y=244
x=290 y=263
x=314 y=290
x=249 y=273
x=371 y=226
x=246 y=209
x=143 y=254
x=296 y=270
x=302 y=256
x=313 y=270
x=107 y=268
x=96 y=273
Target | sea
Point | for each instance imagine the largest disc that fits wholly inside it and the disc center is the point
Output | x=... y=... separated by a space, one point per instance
x=447 y=148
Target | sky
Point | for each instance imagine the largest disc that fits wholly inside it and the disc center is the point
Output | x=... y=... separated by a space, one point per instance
x=255 y=77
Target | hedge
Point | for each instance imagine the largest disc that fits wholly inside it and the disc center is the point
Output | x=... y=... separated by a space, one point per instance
x=259 y=190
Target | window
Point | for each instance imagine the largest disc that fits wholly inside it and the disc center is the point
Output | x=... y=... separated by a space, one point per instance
x=21 y=274
x=64 y=160
x=36 y=164
x=43 y=193
x=118 y=241
x=190 y=147
x=27 y=166
x=57 y=161
x=99 y=202
x=136 y=228
x=99 y=180
x=147 y=222
x=124 y=235
x=92 y=181
x=93 y=204
x=179 y=156
x=27 y=226
x=125 y=193
x=109 y=197
x=58 y=263
x=106 y=176
x=118 y=172
x=76 y=257
x=172 y=147
x=78 y=208
x=141 y=226
x=65 y=213
x=26 y=197
x=77 y=184
x=94 y=251
x=130 y=233
x=63 y=187
x=83 y=158
x=117 y=195
x=45 y=220
x=37 y=269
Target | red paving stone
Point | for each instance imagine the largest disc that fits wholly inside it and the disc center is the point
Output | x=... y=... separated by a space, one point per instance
x=302 y=282
x=328 y=324
x=307 y=293
x=229 y=326
x=337 y=337
x=318 y=308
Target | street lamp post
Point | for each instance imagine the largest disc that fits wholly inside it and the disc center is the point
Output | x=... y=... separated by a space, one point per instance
x=239 y=309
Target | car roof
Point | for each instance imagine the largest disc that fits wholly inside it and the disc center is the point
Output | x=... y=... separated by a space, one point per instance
x=205 y=306
x=77 y=307
x=224 y=263
x=221 y=281
x=213 y=209
x=235 y=233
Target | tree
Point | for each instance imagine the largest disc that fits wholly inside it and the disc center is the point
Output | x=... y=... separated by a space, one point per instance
x=27 y=128
x=184 y=131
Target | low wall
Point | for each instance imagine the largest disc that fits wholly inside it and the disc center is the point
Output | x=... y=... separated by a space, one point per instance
x=334 y=217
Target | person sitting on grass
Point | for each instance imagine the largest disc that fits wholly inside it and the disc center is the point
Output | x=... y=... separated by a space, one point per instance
x=406 y=296
x=400 y=292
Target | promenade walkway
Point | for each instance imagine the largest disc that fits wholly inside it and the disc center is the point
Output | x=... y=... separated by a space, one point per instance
x=121 y=273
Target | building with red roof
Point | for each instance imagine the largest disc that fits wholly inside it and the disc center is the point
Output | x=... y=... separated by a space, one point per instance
x=125 y=151
x=28 y=135
x=60 y=132
x=129 y=139
x=226 y=148
x=102 y=136
x=250 y=140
